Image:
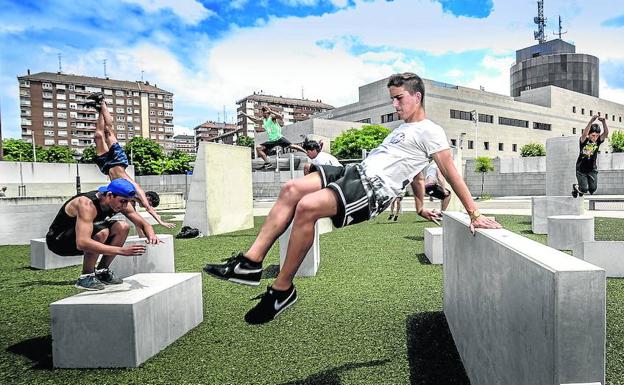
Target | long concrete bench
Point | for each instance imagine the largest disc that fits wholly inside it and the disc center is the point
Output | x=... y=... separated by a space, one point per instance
x=606 y=254
x=593 y=201
x=157 y=258
x=310 y=265
x=546 y=206
x=521 y=312
x=565 y=231
x=21 y=223
x=124 y=325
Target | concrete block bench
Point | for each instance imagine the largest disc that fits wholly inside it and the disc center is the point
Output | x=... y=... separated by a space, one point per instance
x=124 y=325
x=311 y=262
x=606 y=254
x=544 y=207
x=21 y=223
x=157 y=258
x=325 y=225
x=565 y=231
x=434 y=245
x=42 y=258
x=521 y=312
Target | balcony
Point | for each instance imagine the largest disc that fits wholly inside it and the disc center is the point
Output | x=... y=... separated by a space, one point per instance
x=26 y=132
x=24 y=102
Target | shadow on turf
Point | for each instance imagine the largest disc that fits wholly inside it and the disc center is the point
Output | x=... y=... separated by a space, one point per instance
x=431 y=351
x=332 y=376
x=38 y=350
x=418 y=238
x=48 y=283
x=422 y=259
x=270 y=272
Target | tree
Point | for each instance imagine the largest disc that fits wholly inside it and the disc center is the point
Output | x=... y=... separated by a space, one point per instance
x=532 y=149
x=617 y=141
x=349 y=144
x=88 y=155
x=18 y=150
x=483 y=164
x=178 y=162
x=58 y=154
x=146 y=156
x=245 y=141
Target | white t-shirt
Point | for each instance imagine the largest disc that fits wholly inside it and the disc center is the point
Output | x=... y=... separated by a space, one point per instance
x=404 y=153
x=325 y=159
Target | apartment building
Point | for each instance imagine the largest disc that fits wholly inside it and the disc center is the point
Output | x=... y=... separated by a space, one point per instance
x=294 y=110
x=210 y=131
x=185 y=143
x=53 y=113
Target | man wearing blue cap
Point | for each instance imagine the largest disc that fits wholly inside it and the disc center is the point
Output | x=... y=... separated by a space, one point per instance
x=83 y=225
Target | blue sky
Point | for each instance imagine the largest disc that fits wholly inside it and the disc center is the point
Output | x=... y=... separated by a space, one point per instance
x=212 y=53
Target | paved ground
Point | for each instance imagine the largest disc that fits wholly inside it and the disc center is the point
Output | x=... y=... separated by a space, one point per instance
x=514 y=205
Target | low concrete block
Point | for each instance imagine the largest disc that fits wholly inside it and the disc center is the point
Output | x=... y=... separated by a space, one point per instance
x=157 y=258
x=325 y=225
x=20 y=223
x=434 y=245
x=565 y=231
x=521 y=312
x=42 y=258
x=544 y=207
x=311 y=262
x=124 y=325
x=606 y=254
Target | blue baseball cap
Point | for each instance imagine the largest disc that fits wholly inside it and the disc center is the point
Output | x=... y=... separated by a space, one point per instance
x=119 y=186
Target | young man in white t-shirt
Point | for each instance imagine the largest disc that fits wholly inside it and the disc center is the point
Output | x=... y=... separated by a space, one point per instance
x=317 y=157
x=348 y=195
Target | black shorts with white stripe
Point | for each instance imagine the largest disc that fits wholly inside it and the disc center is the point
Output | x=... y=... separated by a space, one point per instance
x=354 y=205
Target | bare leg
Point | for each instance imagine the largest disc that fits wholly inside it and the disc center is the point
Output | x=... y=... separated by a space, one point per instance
x=111 y=137
x=100 y=136
x=445 y=202
x=260 y=150
x=310 y=208
x=90 y=258
x=118 y=234
x=281 y=214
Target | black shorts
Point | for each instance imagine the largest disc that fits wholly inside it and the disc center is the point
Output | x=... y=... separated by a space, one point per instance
x=281 y=142
x=354 y=204
x=436 y=191
x=64 y=242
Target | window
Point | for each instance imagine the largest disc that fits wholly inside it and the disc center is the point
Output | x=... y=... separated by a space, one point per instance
x=385 y=118
x=61 y=106
x=470 y=145
x=62 y=124
x=62 y=115
x=120 y=101
x=160 y=113
x=136 y=103
x=120 y=118
x=159 y=105
x=73 y=106
x=47 y=95
x=93 y=89
x=454 y=142
x=121 y=135
x=72 y=96
x=484 y=118
x=48 y=105
x=574 y=109
x=108 y=92
x=513 y=122
x=501 y=147
x=24 y=83
x=152 y=112
x=514 y=147
x=109 y=101
x=48 y=114
x=129 y=118
x=463 y=115
x=160 y=97
x=60 y=86
x=486 y=145
x=620 y=119
x=25 y=112
x=61 y=133
x=607 y=116
x=119 y=93
x=119 y=110
x=61 y=96
x=26 y=102
x=46 y=86
x=613 y=118
x=582 y=111
x=26 y=122
x=152 y=96
x=72 y=87
x=62 y=142
x=48 y=123
x=129 y=110
x=573 y=130
x=49 y=142
x=591 y=112
x=121 y=127
x=48 y=133
x=152 y=128
x=541 y=126
x=152 y=104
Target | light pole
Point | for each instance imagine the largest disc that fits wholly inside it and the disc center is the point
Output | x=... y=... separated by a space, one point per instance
x=475 y=118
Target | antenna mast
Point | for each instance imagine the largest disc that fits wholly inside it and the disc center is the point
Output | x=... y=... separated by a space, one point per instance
x=560 y=33
x=104 y=62
x=60 y=55
x=540 y=20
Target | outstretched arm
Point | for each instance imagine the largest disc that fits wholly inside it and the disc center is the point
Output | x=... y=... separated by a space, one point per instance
x=605 y=129
x=445 y=163
x=145 y=203
x=418 y=186
x=140 y=223
x=252 y=118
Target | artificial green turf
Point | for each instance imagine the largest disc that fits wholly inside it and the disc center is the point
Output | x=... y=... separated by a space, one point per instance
x=370 y=316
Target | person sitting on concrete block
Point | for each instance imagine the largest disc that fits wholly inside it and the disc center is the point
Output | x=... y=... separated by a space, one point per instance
x=317 y=157
x=83 y=225
x=348 y=195
x=112 y=159
x=589 y=143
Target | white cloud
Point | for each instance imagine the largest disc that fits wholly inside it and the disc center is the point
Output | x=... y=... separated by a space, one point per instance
x=191 y=11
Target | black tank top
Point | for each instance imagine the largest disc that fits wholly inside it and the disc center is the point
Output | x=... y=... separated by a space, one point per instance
x=64 y=222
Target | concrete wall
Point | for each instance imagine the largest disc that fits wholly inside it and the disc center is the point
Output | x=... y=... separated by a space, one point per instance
x=178 y=183
x=527 y=176
x=51 y=179
x=521 y=312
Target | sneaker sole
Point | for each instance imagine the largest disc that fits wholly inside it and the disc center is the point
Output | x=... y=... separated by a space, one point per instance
x=86 y=288
x=233 y=280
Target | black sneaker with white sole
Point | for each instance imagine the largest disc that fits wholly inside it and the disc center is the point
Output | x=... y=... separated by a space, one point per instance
x=238 y=269
x=271 y=304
